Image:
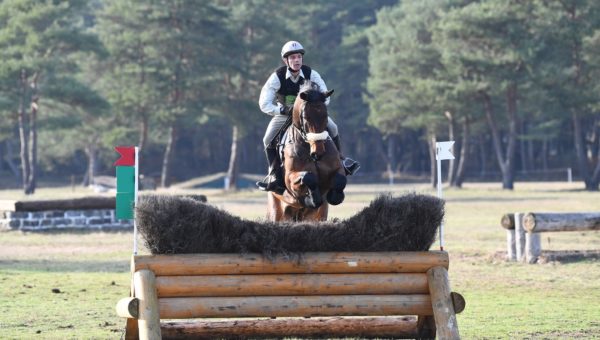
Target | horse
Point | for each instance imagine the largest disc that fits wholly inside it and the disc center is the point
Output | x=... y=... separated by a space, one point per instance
x=313 y=174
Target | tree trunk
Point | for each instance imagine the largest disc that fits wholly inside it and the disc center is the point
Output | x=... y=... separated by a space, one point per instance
x=596 y=173
x=91 y=153
x=464 y=153
x=508 y=176
x=523 y=148
x=504 y=162
x=32 y=180
x=143 y=136
x=23 y=130
x=584 y=171
x=432 y=161
x=391 y=157
x=232 y=171
x=545 y=154
x=452 y=162
x=482 y=157
x=169 y=150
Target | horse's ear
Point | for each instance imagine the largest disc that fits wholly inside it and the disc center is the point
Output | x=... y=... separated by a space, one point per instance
x=328 y=93
x=303 y=96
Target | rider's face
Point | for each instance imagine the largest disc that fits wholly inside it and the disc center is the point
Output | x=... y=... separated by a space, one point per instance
x=294 y=61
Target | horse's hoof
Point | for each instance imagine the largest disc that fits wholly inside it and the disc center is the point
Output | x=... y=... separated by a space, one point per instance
x=313 y=200
x=335 y=197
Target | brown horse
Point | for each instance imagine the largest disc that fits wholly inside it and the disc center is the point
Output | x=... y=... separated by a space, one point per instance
x=313 y=173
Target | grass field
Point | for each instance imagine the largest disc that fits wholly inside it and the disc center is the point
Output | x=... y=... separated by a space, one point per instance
x=65 y=285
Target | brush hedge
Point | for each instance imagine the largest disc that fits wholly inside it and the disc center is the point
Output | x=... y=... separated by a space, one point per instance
x=180 y=225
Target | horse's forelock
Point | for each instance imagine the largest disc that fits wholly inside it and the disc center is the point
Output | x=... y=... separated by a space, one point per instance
x=312 y=91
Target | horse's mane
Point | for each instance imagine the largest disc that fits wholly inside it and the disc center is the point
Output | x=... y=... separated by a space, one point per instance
x=313 y=91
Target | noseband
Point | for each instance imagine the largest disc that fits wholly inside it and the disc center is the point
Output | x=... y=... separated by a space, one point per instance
x=309 y=136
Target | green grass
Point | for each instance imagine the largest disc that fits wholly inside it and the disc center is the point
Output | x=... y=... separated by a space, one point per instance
x=504 y=300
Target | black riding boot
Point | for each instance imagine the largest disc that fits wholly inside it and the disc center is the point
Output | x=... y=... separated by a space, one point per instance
x=350 y=166
x=273 y=181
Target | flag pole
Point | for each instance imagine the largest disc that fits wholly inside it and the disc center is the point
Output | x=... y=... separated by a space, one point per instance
x=135 y=201
x=439 y=192
x=442 y=151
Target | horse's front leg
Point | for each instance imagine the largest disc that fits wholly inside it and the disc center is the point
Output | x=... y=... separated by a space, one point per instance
x=335 y=195
x=308 y=180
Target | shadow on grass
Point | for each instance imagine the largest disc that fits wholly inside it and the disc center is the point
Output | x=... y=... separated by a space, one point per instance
x=66 y=266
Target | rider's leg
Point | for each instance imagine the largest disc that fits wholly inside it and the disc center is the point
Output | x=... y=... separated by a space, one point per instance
x=273 y=181
x=351 y=166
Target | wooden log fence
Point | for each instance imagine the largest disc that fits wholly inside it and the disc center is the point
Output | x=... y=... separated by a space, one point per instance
x=523 y=241
x=379 y=294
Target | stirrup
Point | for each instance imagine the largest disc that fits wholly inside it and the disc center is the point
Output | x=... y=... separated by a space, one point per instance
x=350 y=166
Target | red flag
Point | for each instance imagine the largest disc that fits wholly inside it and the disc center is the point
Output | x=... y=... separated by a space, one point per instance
x=127 y=155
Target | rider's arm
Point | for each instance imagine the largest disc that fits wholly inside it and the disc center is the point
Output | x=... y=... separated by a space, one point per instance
x=315 y=77
x=268 y=94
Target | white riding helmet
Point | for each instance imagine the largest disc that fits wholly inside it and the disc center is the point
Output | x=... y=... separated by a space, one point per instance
x=291 y=47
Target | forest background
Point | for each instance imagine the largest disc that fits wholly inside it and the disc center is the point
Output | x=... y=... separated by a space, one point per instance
x=515 y=83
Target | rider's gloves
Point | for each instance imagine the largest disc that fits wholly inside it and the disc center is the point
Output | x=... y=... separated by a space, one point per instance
x=286 y=110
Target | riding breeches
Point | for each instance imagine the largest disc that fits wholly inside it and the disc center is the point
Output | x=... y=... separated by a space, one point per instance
x=277 y=122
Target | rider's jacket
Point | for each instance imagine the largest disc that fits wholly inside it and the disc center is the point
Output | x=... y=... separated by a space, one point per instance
x=281 y=88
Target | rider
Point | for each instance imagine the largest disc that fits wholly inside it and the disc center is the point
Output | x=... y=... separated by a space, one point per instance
x=277 y=99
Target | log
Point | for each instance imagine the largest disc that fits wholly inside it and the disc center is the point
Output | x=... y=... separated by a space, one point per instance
x=441 y=300
x=543 y=222
x=508 y=221
x=291 y=284
x=95 y=202
x=458 y=301
x=145 y=291
x=128 y=308
x=288 y=306
x=316 y=263
x=359 y=327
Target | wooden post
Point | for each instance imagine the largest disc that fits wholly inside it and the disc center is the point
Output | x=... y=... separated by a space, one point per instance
x=511 y=245
x=533 y=246
x=519 y=237
x=441 y=301
x=145 y=291
x=508 y=222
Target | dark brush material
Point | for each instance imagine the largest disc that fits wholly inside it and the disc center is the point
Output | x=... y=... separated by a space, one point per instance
x=179 y=225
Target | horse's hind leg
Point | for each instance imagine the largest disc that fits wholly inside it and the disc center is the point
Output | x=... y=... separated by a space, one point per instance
x=336 y=195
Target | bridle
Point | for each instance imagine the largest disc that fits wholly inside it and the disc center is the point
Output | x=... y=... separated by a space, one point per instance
x=308 y=136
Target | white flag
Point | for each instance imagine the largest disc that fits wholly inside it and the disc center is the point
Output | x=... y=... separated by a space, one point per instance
x=442 y=150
